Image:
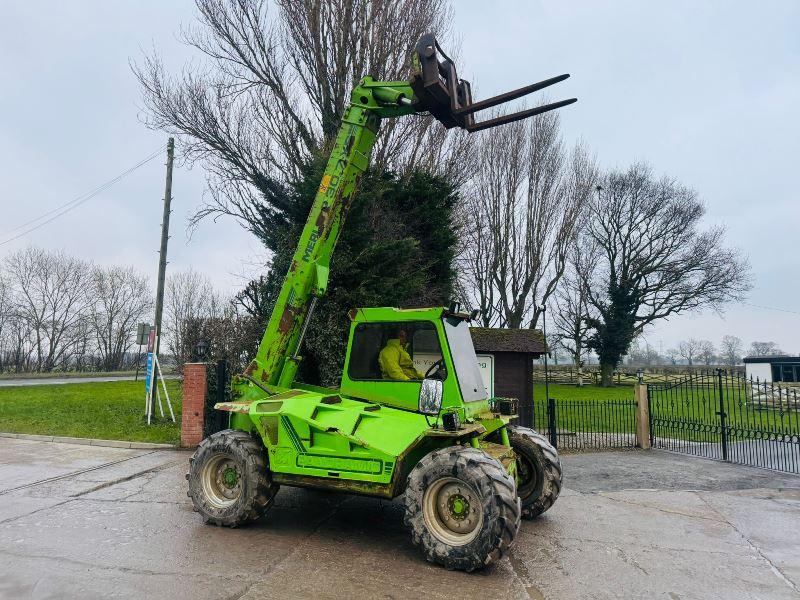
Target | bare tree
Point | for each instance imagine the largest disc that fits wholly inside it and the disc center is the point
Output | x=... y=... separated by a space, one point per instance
x=229 y=335
x=15 y=334
x=689 y=350
x=21 y=348
x=6 y=316
x=641 y=353
x=82 y=344
x=765 y=349
x=707 y=352
x=554 y=347
x=528 y=195
x=673 y=354
x=572 y=304
x=51 y=299
x=253 y=300
x=655 y=260
x=189 y=297
x=17 y=346
x=122 y=298
x=272 y=86
x=731 y=350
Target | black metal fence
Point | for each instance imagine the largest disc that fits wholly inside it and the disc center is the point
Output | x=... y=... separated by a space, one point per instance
x=586 y=424
x=218 y=381
x=726 y=416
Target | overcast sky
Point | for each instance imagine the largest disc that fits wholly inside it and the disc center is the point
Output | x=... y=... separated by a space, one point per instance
x=706 y=92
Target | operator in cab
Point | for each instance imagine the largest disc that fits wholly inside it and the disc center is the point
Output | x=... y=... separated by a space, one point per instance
x=394 y=360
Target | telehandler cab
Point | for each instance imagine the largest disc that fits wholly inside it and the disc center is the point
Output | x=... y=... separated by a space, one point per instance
x=468 y=475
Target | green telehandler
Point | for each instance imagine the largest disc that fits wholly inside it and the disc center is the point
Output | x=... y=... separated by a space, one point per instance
x=429 y=430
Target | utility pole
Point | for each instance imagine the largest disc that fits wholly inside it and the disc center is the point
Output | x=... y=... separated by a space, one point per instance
x=162 y=253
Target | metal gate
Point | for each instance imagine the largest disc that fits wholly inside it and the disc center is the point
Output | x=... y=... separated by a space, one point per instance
x=584 y=425
x=726 y=416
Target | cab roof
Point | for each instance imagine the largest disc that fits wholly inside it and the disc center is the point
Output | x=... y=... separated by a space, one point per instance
x=390 y=313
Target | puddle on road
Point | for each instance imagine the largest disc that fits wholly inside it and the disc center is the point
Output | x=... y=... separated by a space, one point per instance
x=522 y=573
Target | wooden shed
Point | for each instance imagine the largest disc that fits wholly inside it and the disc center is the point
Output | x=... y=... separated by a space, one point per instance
x=506 y=360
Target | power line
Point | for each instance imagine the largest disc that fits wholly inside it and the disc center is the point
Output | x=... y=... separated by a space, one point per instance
x=59 y=211
x=92 y=192
x=785 y=310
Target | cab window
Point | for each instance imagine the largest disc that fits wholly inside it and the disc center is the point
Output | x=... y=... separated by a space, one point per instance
x=395 y=351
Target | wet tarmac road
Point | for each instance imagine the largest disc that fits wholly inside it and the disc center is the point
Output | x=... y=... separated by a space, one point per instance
x=65 y=380
x=89 y=522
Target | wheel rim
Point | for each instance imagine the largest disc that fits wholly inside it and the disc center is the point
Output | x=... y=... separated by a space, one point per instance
x=527 y=478
x=222 y=481
x=453 y=511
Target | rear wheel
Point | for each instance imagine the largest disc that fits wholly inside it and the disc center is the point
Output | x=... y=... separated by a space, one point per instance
x=229 y=480
x=462 y=508
x=538 y=470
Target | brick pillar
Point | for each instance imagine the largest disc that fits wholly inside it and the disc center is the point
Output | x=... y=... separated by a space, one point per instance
x=194 y=403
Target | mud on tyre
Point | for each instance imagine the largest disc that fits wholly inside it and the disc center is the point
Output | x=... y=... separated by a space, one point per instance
x=229 y=479
x=538 y=470
x=462 y=508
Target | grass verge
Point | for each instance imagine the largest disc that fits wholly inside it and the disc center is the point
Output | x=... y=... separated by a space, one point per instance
x=109 y=410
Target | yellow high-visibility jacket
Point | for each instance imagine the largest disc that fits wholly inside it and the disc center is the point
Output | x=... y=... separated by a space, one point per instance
x=396 y=363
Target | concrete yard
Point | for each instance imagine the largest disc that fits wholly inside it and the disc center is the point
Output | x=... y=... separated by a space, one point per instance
x=91 y=522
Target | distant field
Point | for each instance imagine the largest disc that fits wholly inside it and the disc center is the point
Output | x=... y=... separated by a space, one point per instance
x=622 y=379
x=562 y=391
x=108 y=410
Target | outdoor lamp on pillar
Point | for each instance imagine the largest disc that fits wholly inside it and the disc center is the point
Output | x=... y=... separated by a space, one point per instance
x=201 y=349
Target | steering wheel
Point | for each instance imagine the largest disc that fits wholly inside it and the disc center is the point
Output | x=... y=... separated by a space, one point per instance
x=434 y=367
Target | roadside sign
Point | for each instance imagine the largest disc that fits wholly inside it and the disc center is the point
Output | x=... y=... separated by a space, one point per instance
x=142 y=333
x=150 y=365
x=151 y=382
x=148 y=380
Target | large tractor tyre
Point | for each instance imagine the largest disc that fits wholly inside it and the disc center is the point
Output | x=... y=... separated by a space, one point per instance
x=538 y=470
x=462 y=508
x=229 y=479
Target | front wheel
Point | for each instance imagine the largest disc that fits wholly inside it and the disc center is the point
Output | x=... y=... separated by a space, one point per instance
x=229 y=481
x=538 y=470
x=462 y=508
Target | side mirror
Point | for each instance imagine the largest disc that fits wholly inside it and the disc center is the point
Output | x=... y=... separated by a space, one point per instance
x=430 y=396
